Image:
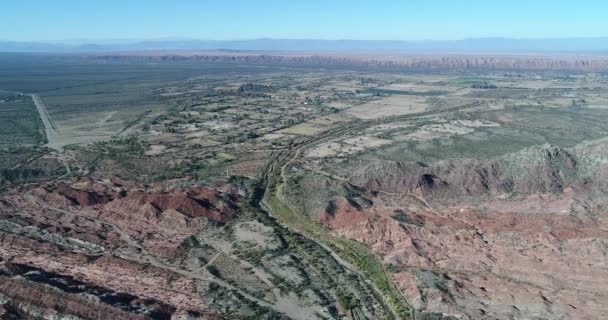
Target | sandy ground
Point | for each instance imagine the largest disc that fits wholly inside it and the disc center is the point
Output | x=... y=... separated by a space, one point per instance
x=346 y=146
x=427 y=132
x=274 y=136
x=315 y=125
x=430 y=132
x=219 y=125
x=418 y=87
x=106 y=119
x=476 y=123
x=389 y=106
x=97 y=126
x=155 y=150
x=255 y=232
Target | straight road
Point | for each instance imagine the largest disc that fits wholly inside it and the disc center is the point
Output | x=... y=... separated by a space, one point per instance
x=50 y=130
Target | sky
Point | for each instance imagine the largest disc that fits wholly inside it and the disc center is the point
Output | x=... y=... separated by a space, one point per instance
x=52 y=20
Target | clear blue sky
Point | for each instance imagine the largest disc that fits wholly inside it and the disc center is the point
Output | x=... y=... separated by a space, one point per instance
x=25 y=20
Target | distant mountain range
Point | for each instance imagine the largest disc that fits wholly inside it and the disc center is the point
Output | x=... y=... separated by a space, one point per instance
x=558 y=45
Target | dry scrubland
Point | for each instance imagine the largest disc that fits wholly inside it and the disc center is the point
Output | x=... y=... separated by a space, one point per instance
x=200 y=189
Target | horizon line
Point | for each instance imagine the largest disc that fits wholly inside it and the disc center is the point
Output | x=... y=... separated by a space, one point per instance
x=178 y=38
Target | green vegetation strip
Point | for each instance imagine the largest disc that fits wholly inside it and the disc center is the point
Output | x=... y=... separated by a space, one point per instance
x=351 y=251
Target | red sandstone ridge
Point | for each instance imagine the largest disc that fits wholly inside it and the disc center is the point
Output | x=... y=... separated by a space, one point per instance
x=514 y=237
x=102 y=245
x=65 y=195
x=539 y=169
x=192 y=202
x=472 y=262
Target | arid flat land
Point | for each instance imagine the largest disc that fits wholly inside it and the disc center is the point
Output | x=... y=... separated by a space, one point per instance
x=289 y=185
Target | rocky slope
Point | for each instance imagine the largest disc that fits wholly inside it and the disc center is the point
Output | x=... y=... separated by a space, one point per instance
x=104 y=248
x=522 y=236
x=96 y=249
x=538 y=169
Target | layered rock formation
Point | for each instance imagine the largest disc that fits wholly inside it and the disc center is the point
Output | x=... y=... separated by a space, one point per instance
x=522 y=236
x=96 y=249
x=538 y=169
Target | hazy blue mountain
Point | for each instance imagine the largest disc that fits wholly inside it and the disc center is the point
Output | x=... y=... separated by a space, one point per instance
x=465 y=45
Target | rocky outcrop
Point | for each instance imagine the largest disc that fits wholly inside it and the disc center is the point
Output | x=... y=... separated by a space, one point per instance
x=538 y=169
x=65 y=195
x=390 y=176
x=502 y=263
x=82 y=249
x=531 y=246
x=111 y=195
x=34 y=293
x=192 y=202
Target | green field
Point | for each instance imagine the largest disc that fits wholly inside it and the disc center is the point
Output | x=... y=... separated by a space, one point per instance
x=21 y=124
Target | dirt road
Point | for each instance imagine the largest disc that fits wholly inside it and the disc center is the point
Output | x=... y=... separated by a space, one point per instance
x=50 y=130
